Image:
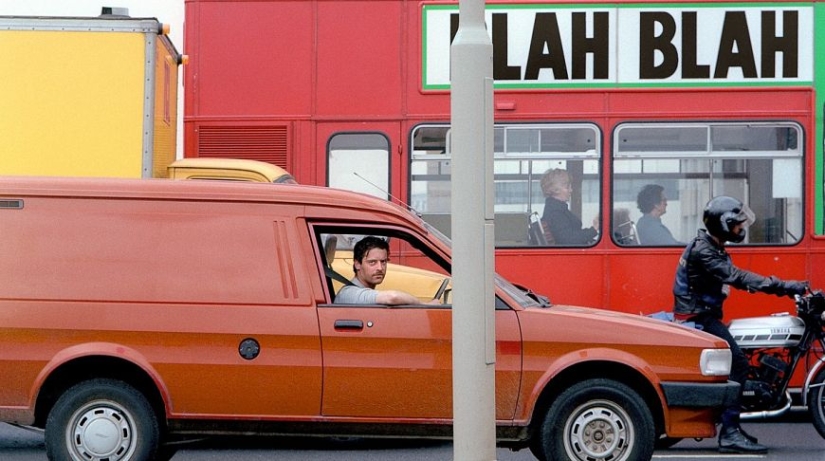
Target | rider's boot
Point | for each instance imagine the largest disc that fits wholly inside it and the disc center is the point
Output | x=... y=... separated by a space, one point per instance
x=732 y=440
x=752 y=438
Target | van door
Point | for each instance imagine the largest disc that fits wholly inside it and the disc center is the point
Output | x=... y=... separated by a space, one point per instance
x=396 y=361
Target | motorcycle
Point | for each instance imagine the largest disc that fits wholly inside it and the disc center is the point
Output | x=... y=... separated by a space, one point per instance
x=775 y=346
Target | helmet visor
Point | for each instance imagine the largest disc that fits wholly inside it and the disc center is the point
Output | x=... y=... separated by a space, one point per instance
x=745 y=217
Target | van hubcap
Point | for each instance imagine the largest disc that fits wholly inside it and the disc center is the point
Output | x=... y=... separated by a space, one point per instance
x=597 y=431
x=100 y=433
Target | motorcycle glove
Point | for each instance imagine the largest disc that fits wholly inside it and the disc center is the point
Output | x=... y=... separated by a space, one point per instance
x=794 y=287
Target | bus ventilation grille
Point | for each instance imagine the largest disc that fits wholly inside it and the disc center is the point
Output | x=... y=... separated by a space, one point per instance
x=264 y=143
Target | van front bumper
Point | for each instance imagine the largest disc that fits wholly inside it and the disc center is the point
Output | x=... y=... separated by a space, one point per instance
x=701 y=395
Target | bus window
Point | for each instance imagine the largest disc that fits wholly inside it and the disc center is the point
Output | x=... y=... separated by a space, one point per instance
x=664 y=174
x=522 y=154
x=360 y=162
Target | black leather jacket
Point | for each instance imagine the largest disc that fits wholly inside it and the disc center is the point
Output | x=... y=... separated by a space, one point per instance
x=564 y=225
x=704 y=275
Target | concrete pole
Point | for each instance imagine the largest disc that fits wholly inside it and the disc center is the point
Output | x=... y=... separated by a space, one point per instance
x=471 y=70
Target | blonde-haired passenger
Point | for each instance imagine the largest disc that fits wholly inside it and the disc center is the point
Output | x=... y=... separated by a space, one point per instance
x=565 y=227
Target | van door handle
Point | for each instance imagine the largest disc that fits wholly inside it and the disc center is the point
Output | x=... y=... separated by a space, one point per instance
x=349 y=325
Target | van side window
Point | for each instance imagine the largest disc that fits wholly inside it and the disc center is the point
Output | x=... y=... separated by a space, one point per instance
x=410 y=268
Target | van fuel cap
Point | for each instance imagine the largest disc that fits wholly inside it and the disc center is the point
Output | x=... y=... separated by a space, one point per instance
x=249 y=348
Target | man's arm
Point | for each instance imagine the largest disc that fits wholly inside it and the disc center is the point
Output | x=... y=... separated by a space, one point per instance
x=749 y=281
x=661 y=236
x=352 y=294
x=393 y=297
x=654 y=233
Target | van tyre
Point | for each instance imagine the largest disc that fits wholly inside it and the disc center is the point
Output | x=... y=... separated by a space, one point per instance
x=596 y=419
x=102 y=419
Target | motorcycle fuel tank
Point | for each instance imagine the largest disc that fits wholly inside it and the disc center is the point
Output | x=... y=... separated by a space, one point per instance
x=779 y=330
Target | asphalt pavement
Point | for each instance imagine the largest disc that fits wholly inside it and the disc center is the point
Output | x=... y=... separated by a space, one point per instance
x=791 y=438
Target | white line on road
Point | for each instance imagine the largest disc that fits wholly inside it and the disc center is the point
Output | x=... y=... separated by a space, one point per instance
x=709 y=456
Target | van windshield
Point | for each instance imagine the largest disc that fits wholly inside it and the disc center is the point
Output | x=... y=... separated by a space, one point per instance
x=520 y=295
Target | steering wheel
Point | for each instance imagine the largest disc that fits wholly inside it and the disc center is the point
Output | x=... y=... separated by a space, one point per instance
x=442 y=289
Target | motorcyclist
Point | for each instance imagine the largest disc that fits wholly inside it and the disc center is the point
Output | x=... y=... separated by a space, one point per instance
x=703 y=280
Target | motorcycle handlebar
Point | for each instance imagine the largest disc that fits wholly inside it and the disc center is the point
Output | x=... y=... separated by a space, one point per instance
x=811 y=302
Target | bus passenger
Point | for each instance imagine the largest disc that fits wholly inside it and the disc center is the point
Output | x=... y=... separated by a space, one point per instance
x=653 y=204
x=624 y=231
x=704 y=277
x=565 y=227
x=370 y=258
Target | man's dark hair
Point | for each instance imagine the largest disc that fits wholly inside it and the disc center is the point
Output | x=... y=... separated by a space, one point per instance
x=365 y=245
x=649 y=197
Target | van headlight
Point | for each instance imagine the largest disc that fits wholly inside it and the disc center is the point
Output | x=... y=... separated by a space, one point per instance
x=715 y=362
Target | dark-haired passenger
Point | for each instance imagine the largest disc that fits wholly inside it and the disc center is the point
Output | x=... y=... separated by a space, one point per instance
x=370 y=259
x=653 y=204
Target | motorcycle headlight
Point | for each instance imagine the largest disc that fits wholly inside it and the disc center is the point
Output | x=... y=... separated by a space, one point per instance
x=715 y=362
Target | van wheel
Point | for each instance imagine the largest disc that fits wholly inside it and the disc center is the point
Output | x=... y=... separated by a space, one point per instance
x=102 y=419
x=596 y=419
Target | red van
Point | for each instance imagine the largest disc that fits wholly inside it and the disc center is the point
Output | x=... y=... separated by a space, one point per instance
x=137 y=312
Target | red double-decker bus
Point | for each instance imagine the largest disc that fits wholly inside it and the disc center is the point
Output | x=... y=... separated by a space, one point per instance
x=693 y=99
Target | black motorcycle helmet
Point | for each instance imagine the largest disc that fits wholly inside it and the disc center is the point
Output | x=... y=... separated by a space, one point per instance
x=722 y=214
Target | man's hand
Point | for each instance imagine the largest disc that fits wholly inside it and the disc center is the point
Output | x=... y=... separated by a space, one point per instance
x=794 y=287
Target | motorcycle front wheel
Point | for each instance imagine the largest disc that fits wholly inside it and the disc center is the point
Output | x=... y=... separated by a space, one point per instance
x=816 y=402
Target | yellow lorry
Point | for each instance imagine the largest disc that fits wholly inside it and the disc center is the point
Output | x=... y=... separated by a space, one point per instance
x=87 y=96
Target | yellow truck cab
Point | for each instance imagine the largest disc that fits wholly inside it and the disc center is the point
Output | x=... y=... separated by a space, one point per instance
x=138 y=312
x=231 y=169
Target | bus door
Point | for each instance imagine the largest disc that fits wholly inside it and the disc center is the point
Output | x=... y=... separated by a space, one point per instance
x=361 y=157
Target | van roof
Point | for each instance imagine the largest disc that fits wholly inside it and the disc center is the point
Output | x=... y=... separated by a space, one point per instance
x=219 y=191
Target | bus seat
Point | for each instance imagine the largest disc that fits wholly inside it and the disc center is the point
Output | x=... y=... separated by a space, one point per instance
x=538 y=231
x=330 y=245
x=509 y=229
x=624 y=229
